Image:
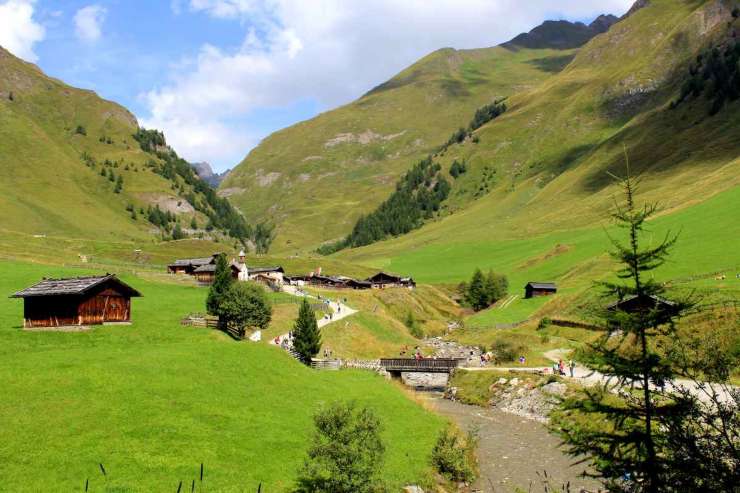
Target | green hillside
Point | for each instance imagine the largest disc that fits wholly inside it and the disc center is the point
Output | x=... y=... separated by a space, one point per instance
x=153 y=400
x=71 y=167
x=315 y=178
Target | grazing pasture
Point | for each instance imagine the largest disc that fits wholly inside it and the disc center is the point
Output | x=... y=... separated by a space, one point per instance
x=154 y=400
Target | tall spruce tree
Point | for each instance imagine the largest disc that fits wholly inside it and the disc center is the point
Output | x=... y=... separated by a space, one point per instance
x=306 y=336
x=476 y=295
x=621 y=436
x=221 y=284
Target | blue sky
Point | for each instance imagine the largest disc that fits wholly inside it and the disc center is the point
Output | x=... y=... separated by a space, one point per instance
x=219 y=75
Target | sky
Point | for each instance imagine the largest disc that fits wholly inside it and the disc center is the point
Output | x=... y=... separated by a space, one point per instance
x=219 y=75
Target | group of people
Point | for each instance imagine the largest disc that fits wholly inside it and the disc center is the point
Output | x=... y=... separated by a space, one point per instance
x=559 y=368
x=417 y=352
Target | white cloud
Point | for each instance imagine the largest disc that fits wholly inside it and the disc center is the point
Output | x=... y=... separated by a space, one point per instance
x=330 y=51
x=89 y=21
x=18 y=31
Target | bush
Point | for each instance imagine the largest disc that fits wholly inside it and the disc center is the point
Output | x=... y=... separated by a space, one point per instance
x=453 y=455
x=245 y=305
x=80 y=130
x=506 y=351
x=346 y=453
x=413 y=325
x=544 y=323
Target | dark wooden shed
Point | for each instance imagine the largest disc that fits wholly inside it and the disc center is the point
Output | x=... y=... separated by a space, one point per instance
x=77 y=301
x=636 y=304
x=533 y=289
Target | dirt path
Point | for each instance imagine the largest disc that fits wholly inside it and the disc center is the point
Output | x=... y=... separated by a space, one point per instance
x=512 y=450
x=586 y=376
x=339 y=309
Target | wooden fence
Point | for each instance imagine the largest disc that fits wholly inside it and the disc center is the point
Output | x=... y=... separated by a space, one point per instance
x=211 y=322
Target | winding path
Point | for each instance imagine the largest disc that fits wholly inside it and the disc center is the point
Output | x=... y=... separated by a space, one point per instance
x=339 y=309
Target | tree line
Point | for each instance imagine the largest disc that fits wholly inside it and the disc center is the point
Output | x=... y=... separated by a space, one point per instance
x=221 y=214
x=483 y=290
x=716 y=75
x=418 y=196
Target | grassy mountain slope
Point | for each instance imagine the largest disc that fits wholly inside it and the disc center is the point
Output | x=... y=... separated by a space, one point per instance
x=537 y=192
x=153 y=400
x=47 y=188
x=315 y=178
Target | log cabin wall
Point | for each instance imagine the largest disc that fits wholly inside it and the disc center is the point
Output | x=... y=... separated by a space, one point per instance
x=105 y=306
x=51 y=311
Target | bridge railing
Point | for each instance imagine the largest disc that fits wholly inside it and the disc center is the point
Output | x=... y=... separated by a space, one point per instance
x=420 y=365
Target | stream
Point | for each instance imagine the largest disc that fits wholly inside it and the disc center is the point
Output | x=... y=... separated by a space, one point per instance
x=513 y=450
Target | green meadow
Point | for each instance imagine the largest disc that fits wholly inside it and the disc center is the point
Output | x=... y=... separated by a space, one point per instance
x=153 y=400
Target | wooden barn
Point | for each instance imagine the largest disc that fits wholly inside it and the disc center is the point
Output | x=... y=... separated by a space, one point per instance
x=77 y=301
x=385 y=280
x=276 y=274
x=533 y=289
x=637 y=304
x=205 y=274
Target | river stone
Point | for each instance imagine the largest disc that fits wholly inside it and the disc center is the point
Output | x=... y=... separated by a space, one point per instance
x=514 y=381
x=554 y=388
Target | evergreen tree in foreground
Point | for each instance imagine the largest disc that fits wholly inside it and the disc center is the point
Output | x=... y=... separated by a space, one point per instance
x=620 y=431
x=306 y=336
x=221 y=284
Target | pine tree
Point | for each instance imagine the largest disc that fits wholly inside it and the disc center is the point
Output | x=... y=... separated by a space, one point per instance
x=221 y=283
x=476 y=295
x=630 y=446
x=119 y=184
x=307 y=338
x=177 y=233
x=193 y=224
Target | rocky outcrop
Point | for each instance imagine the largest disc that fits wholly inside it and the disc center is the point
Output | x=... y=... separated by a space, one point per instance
x=562 y=35
x=206 y=173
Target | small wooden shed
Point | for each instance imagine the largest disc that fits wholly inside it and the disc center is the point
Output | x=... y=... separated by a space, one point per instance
x=636 y=304
x=533 y=289
x=77 y=301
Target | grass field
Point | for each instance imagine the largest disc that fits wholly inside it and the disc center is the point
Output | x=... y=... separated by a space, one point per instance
x=153 y=400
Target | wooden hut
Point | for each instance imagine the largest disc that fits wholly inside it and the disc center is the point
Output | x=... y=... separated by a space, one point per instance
x=637 y=304
x=189 y=265
x=385 y=280
x=77 y=301
x=533 y=289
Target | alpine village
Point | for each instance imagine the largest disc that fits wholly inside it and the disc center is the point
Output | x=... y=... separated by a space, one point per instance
x=513 y=266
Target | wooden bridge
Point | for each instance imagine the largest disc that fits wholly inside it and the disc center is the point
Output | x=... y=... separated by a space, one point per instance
x=427 y=365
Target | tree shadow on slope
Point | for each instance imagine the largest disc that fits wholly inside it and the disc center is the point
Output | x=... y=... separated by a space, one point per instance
x=668 y=141
x=552 y=64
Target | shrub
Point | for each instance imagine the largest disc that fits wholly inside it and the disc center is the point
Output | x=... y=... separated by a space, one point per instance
x=413 y=325
x=245 y=305
x=453 y=455
x=544 y=323
x=80 y=130
x=506 y=351
x=346 y=453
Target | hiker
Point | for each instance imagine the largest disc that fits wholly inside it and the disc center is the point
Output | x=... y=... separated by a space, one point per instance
x=554 y=368
x=561 y=367
x=572 y=367
x=522 y=359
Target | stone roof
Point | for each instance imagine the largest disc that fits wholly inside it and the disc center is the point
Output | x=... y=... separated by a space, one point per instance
x=192 y=261
x=542 y=285
x=73 y=286
x=260 y=270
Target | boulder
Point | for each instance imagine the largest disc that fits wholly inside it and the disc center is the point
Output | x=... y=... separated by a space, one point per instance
x=554 y=388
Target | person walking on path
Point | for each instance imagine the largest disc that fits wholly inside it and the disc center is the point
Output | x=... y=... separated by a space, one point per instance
x=572 y=367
